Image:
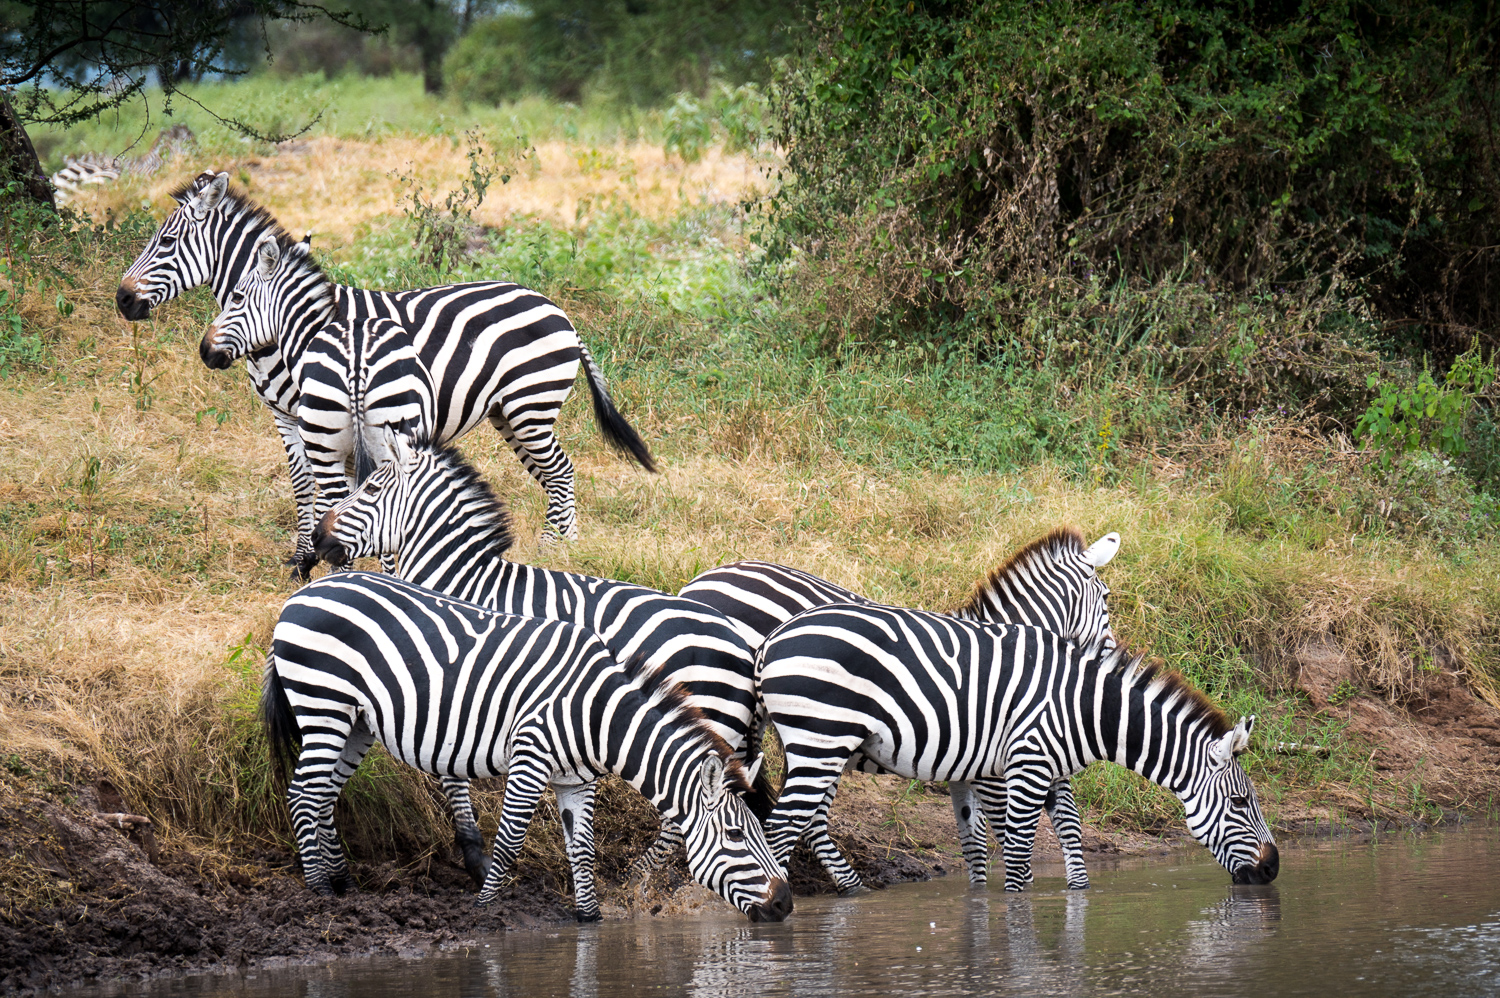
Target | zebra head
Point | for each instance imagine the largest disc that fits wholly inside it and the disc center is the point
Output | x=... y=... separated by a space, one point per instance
x=282 y=288
x=1223 y=814
x=727 y=850
x=422 y=502
x=182 y=254
x=1054 y=583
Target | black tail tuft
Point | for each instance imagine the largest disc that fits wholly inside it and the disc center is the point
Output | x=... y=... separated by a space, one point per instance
x=617 y=432
x=280 y=722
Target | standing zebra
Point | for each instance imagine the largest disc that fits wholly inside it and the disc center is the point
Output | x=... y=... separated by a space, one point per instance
x=464 y=692
x=494 y=350
x=439 y=514
x=1009 y=708
x=1052 y=582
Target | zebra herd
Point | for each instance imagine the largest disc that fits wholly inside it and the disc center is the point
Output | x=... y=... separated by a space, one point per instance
x=467 y=665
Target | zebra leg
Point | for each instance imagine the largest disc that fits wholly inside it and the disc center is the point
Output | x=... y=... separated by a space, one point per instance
x=1026 y=789
x=990 y=793
x=543 y=457
x=304 y=490
x=668 y=841
x=1063 y=810
x=829 y=857
x=465 y=829
x=811 y=775
x=523 y=790
x=310 y=797
x=575 y=804
x=360 y=740
x=973 y=834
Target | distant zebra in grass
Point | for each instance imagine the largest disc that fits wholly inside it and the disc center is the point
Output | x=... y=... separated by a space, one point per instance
x=1052 y=582
x=1011 y=709
x=493 y=350
x=434 y=510
x=464 y=692
x=92 y=169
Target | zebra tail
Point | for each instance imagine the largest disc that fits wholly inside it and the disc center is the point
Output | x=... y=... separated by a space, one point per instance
x=617 y=432
x=763 y=795
x=358 y=402
x=276 y=714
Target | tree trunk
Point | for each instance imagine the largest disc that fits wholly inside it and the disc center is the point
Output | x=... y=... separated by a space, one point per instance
x=18 y=157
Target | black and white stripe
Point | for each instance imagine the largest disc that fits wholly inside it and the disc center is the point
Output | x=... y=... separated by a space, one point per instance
x=493 y=350
x=1052 y=582
x=465 y=692
x=89 y=169
x=439 y=515
x=1008 y=708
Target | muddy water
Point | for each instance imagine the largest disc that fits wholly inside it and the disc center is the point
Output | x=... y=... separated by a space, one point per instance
x=1399 y=916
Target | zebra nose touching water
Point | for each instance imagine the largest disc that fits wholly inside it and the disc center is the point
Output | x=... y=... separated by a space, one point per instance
x=1009 y=708
x=461 y=691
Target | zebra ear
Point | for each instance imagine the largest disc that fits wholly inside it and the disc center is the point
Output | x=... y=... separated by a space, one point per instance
x=712 y=775
x=1101 y=551
x=1241 y=734
x=753 y=770
x=267 y=255
x=1222 y=749
x=399 y=447
x=211 y=196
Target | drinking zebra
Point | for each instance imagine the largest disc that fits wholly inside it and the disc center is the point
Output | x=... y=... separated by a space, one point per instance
x=435 y=510
x=465 y=692
x=1052 y=582
x=91 y=169
x=1010 y=709
x=493 y=350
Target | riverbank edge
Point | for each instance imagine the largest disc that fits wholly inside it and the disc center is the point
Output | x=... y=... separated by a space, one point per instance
x=122 y=916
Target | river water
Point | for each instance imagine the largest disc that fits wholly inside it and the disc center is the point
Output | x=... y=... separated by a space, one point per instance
x=1404 y=915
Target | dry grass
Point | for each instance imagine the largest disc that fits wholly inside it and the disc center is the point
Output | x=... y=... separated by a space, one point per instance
x=127 y=592
x=342 y=188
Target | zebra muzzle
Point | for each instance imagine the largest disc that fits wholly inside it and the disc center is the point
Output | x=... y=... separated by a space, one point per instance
x=1264 y=870
x=213 y=357
x=775 y=908
x=326 y=545
x=131 y=305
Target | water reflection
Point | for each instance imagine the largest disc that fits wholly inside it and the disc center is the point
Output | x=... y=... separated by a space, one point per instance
x=1408 y=918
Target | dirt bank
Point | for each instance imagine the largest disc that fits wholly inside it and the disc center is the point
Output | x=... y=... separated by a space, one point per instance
x=82 y=897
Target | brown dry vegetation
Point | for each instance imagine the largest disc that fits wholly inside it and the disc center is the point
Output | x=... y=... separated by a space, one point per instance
x=145 y=510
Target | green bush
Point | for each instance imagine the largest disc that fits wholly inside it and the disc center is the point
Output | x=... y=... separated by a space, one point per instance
x=940 y=153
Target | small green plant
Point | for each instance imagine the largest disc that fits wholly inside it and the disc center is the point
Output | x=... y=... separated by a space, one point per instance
x=1342 y=693
x=741 y=113
x=1408 y=418
x=18 y=348
x=686 y=129
x=444 y=232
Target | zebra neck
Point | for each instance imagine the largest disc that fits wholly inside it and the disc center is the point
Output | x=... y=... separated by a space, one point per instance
x=1132 y=718
x=465 y=562
x=235 y=240
x=658 y=749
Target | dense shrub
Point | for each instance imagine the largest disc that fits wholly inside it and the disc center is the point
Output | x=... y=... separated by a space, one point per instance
x=640 y=52
x=949 y=158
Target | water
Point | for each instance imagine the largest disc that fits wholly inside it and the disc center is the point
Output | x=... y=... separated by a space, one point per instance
x=1402 y=916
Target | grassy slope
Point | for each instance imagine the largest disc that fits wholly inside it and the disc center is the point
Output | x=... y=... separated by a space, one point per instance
x=144 y=506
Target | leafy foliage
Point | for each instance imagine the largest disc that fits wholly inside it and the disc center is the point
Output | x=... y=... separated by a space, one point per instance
x=939 y=151
x=79 y=58
x=640 y=53
x=1425 y=414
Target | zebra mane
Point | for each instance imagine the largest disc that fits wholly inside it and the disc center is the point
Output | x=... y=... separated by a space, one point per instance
x=1195 y=705
x=1063 y=540
x=490 y=510
x=241 y=203
x=672 y=699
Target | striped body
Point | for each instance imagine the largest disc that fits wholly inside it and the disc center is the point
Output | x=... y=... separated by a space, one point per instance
x=439 y=515
x=89 y=169
x=1009 y=709
x=464 y=692
x=493 y=350
x=1051 y=583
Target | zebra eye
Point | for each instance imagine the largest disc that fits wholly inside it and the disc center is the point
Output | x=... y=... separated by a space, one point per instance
x=735 y=835
x=1240 y=801
x=168 y=242
x=237 y=298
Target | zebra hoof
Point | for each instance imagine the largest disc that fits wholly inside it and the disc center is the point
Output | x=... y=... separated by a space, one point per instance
x=1081 y=886
x=584 y=919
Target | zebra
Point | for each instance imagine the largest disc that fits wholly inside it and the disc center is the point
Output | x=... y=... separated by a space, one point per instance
x=462 y=691
x=89 y=169
x=493 y=350
x=1052 y=582
x=439 y=514
x=1010 y=708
